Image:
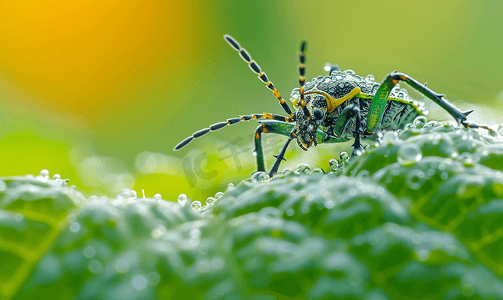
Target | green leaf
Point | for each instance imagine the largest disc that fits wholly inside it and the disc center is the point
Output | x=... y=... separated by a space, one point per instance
x=417 y=217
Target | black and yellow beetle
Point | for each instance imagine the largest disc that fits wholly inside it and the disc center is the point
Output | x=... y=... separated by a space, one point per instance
x=335 y=108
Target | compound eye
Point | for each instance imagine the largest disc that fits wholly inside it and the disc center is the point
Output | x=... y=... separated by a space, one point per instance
x=318 y=113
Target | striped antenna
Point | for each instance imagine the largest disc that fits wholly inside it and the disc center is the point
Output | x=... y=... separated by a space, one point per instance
x=231 y=121
x=302 y=79
x=261 y=75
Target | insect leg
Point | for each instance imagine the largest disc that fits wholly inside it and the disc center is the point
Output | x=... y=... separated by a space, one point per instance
x=269 y=127
x=231 y=121
x=261 y=75
x=381 y=96
x=280 y=157
x=351 y=111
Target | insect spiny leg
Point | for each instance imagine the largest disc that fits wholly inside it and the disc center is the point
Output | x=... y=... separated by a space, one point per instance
x=302 y=66
x=261 y=75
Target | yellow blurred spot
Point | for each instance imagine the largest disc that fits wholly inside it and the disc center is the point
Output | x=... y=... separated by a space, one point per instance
x=87 y=56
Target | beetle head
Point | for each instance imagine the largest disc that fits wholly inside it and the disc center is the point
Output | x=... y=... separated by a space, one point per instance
x=305 y=129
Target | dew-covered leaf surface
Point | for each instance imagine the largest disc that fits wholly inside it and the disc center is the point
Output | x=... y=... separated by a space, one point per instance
x=419 y=216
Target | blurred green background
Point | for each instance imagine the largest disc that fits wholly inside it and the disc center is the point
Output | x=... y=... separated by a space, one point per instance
x=101 y=92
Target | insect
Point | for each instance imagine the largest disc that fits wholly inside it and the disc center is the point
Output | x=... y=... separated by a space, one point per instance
x=334 y=108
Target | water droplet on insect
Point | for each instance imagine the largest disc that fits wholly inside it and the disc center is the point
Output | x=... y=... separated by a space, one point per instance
x=182 y=199
x=303 y=169
x=159 y=197
x=349 y=72
x=409 y=154
x=344 y=156
x=254 y=153
x=334 y=164
x=196 y=204
x=56 y=177
x=370 y=77
x=327 y=67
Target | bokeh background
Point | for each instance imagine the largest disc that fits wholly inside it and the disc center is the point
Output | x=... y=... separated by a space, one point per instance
x=101 y=91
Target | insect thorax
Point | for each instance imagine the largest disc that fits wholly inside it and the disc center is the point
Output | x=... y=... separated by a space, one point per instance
x=400 y=110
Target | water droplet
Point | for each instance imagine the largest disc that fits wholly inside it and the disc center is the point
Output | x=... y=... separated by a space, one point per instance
x=219 y=195
x=344 y=156
x=423 y=254
x=56 y=176
x=370 y=77
x=230 y=186
x=327 y=67
x=318 y=170
x=74 y=227
x=290 y=212
x=159 y=197
x=153 y=278
x=121 y=265
x=349 y=72
x=210 y=201
x=182 y=199
x=94 y=266
x=415 y=179
x=329 y=204
x=196 y=204
x=44 y=173
x=467 y=159
x=254 y=153
x=157 y=232
x=334 y=164
x=259 y=177
x=286 y=172
x=89 y=251
x=363 y=174
x=303 y=169
x=409 y=154
x=139 y=282
x=431 y=124
x=132 y=194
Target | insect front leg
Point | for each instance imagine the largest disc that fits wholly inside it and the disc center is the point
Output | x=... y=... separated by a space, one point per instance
x=350 y=112
x=270 y=126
